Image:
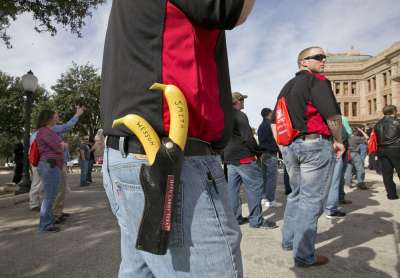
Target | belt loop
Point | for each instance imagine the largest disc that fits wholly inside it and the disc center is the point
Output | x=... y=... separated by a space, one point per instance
x=121 y=146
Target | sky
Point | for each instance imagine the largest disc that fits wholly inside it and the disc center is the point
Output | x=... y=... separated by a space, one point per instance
x=262 y=52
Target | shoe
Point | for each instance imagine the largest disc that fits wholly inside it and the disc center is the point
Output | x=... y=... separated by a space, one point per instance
x=268 y=225
x=319 y=260
x=393 y=197
x=337 y=214
x=59 y=220
x=345 y=202
x=243 y=220
x=272 y=204
x=35 y=209
x=361 y=186
x=53 y=229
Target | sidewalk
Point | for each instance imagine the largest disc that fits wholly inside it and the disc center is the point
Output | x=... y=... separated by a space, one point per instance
x=358 y=246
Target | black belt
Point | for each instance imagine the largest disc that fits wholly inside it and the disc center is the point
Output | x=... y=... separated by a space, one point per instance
x=194 y=147
x=313 y=136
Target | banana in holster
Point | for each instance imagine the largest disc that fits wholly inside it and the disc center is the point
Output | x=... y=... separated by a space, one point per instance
x=160 y=179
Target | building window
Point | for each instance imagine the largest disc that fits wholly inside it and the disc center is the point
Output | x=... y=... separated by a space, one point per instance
x=385 y=100
x=354 y=109
x=374 y=83
x=390 y=99
x=369 y=85
x=384 y=79
x=369 y=107
x=346 y=109
x=337 y=88
x=390 y=76
x=375 y=107
x=345 y=88
x=353 y=88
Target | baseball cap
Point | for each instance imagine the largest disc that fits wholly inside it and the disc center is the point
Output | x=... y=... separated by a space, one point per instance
x=236 y=96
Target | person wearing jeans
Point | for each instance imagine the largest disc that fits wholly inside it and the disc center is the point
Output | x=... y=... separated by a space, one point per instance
x=269 y=161
x=309 y=157
x=51 y=148
x=240 y=156
x=84 y=157
x=250 y=175
x=309 y=164
x=180 y=43
x=50 y=179
x=356 y=162
x=331 y=207
x=203 y=224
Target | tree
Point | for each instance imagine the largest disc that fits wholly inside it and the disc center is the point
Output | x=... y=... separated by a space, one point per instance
x=12 y=112
x=80 y=85
x=47 y=13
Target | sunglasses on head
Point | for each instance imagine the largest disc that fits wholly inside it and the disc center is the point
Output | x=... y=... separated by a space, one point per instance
x=318 y=57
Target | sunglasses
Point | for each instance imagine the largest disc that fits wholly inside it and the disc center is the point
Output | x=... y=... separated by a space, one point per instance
x=318 y=57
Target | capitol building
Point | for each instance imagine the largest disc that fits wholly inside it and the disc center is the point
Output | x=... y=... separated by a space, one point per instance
x=364 y=84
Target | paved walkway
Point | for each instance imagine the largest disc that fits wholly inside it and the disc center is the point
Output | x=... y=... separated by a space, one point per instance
x=360 y=245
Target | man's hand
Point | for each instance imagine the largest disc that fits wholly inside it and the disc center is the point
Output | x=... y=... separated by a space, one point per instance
x=338 y=149
x=80 y=110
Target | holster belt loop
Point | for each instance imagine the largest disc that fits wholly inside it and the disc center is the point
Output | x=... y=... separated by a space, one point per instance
x=121 y=146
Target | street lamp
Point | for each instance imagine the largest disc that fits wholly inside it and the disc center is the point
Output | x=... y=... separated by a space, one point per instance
x=30 y=84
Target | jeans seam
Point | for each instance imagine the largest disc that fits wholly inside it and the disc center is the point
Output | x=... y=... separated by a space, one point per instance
x=211 y=200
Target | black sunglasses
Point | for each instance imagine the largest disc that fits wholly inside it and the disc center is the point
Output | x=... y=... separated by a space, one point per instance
x=318 y=57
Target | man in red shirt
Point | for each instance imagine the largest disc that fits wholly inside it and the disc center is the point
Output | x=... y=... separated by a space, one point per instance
x=309 y=158
x=178 y=42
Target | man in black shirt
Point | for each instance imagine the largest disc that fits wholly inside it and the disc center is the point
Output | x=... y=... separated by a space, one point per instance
x=182 y=43
x=269 y=160
x=309 y=158
x=240 y=155
x=388 y=136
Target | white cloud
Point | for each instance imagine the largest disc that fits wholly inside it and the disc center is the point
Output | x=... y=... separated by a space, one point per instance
x=49 y=57
x=262 y=52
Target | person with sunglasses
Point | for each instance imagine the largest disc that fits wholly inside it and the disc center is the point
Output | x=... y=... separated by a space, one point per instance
x=309 y=158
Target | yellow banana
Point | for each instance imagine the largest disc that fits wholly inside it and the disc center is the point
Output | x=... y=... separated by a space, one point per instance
x=178 y=110
x=144 y=132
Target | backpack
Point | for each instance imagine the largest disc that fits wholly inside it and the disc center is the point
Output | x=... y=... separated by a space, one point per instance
x=372 y=143
x=284 y=128
x=33 y=154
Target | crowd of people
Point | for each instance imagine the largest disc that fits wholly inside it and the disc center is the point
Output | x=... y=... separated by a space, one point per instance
x=320 y=158
x=49 y=176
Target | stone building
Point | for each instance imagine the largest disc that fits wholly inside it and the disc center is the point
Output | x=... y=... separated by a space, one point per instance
x=364 y=84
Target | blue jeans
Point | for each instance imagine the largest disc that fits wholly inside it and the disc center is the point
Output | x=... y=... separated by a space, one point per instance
x=345 y=160
x=357 y=163
x=205 y=238
x=84 y=165
x=363 y=152
x=269 y=167
x=251 y=177
x=50 y=182
x=286 y=181
x=309 y=164
x=333 y=196
x=89 y=170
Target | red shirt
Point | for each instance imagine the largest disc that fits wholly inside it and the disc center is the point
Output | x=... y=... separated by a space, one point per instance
x=49 y=144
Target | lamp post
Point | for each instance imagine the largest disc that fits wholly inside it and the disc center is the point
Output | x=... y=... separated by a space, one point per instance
x=29 y=83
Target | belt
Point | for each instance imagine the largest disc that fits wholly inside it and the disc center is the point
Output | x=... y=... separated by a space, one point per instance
x=313 y=136
x=129 y=144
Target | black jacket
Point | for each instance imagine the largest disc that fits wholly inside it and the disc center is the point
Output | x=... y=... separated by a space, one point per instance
x=242 y=143
x=387 y=132
x=266 y=138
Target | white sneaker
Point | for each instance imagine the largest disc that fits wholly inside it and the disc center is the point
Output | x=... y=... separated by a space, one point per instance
x=272 y=204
